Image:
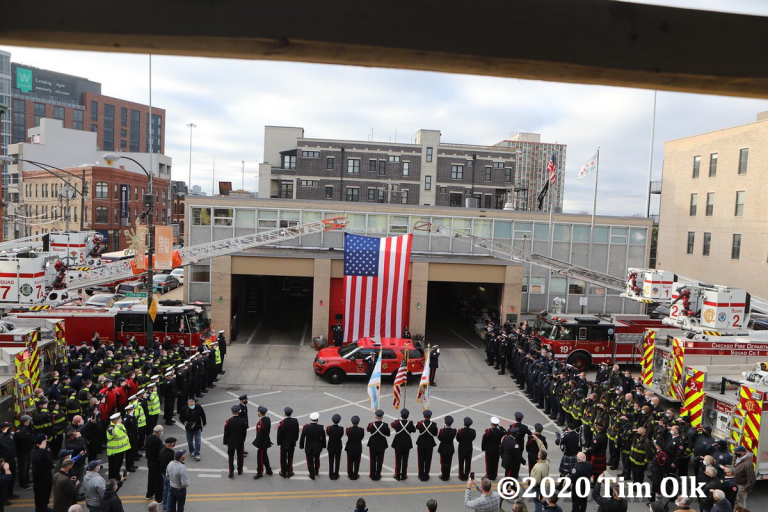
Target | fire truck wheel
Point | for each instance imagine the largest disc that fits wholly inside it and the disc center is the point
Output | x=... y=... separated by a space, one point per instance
x=335 y=376
x=580 y=360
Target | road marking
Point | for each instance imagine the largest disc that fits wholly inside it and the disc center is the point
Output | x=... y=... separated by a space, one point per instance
x=227 y=401
x=350 y=402
x=459 y=335
x=303 y=335
x=464 y=408
x=207 y=443
x=254 y=332
x=205 y=475
x=472 y=408
x=257 y=405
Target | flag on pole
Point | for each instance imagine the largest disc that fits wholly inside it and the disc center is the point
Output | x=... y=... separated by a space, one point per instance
x=374 y=385
x=423 y=396
x=375 y=281
x=589 y=167
x=400 y=379
x=543 y=194
x=552 y=168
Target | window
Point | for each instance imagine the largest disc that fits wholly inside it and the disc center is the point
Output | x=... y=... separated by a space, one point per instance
x=508 y=175
x=123 y=144
x=498 y=165
x=394 y=158
x=94 y=128
x=245 y=219
x=637 y=236
x=329 y=191
x=102 y=215
x=406 y=168
x=457 y=172
x=94 y=111
x=135 y=126
x=382 y=167
x=618 y=235
x=581 y=234
x=199 y=273
x=469 y=163
x=694 y=203
x=353 y=194
x=223 y=216
x=310 y=154
x=429 y=154
x=330 y=162
x=289 y=161
x=77 y=123
x=488 y=201
x=537 y=285
x=404 y=196
x=710 y=203
x=736 y=247
x=707 y=242
x=696 y=166
x=455 y=199
x=713 y=165
x=372 y=165
x=285 y=189
x=371 y=194
x=102 y=190
x=427 y=182
x=123 y=118
x=488 y=173
x=557 y=285
x=109 y=127
x=562 y=233
x=123 y=133
x=576 y=287
x=39 y=112
x=309 y=183
x=117 y=193
x=353 y=166
x=267 y=218
x=739 y=211
x=201 y=216
x=58 y=113
x=691 y=238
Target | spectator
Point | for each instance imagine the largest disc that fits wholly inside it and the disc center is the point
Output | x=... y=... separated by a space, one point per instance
x=75 y=508
x=179 y=481
x=431 y=504
x=111 y=501
x=729 y=486
x=538 y=473
x=744 y=472
x=154 y=446
x=519 y=506
x=489 y=501
x=721 y=504
x=612 y=504
x=551 y=504
x=166 y=456
x=6 y=480
x=194 y=420
x=360 y=505
x=94 y=486
x=154 y=507
x=683 y=504
x=712 y=482
x=64 y=487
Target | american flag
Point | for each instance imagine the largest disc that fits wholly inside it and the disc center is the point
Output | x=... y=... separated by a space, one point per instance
x=552 y=168
x=375 y=281
x=400 y=378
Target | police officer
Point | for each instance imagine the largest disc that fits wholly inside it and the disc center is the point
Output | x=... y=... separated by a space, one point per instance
x=354 y=448
x=170 y=392
x=402 y=443
x=491 y=445
x=244 y=414
x=312 y=441
x=425 y=444
x=465 y=437
x=262 y=443
x=377 y=444
x=338 y=334
x=446 y=450
x=502 y=359
x=511 y=458
x=117 y=445
x=131 y=428
x=334 y=434
x=235 y=430
x=287 y=436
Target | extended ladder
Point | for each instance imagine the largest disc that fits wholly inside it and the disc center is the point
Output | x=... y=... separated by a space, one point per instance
x=193 y=254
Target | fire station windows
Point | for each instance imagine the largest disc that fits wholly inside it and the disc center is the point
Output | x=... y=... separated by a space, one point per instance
x=743 y=158
x=541 y=231
x=713 y=165
x=131 y=323
x=739 y=211
x=222 y=216
x=267 y=218
x=245 y=219
x=710 y=203
x=736 y=247
x=577 y=287
x=482 y=227
x=562 y=233
x=398 y=225
x=102 y=190
x=201 y=216
x=600 y=235
x=502 y=229
x=694 y=204
x=707 y=242
x=200 y=273
x=691 y=239
x=102 y=215
x=523 y=230
x=618 y=235
x=289 y=218
x=637 y=236
x=696 y=166
x=557 y=285
x=581 y=234
x=596 y=290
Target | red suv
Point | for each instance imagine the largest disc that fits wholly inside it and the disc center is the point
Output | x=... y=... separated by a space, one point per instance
x=335 y=364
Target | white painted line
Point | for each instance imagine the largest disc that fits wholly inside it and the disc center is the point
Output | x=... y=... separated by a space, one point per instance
x=257 y=405
x=472 y=408
x=459 y=336
x=205 y=442
x=464 y=408
x=303 y=335
x=230 y=400
x=254 y=332
x=203 y=475
x=358 y=405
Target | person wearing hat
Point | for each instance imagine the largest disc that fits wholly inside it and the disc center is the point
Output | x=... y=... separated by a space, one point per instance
x=660 y=466
x=117 y=445
x=132 y=428
x=182 y=384
x=262 y=443
x=465 y=438
x=235 y=430
x=511 y=458
x=153 y=403
x=596 y=451
x=153 y=446
x=425 y=444
x=94 y=485
x=8 y=453
x=338 y=334
x=334 y=433
x=744 y=473
x=170 y=393
x=434 y=359
x=287 y=437
x=377 y=444
x=354 y=447
x=522 y=430
x=222 y=341
x=166 y=456
x=42 y=419
x=402 y=443
x=178 y=481
x=491 y=445
x=25 y=442
x=445 y=449
x=312 y=441
x=42 y=477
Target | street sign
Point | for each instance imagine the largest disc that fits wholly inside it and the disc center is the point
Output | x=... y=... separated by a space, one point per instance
x=582 y=301
x=141 y=295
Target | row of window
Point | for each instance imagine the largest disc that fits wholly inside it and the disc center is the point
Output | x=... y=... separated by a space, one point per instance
x=738 y=207
x=743 y=159
x=101 y=215
x=706 y=246
x=47 y=190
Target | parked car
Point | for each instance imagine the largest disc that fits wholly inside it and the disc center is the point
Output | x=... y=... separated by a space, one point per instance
x=335 y=364
x=128 y=302
x=104 y=300
x=758 y=324
x=131 y=287
x=660 y=312
x=164 y=283
x=178 y=273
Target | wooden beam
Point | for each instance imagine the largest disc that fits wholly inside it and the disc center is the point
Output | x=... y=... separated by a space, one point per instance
x=577 y=41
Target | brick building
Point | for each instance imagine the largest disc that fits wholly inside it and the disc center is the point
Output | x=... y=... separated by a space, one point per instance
x=178 y=193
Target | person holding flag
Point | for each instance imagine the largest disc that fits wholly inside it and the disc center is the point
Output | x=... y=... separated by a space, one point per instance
x=401 y=381
x=374 y=384
x=423 y=396
x=377 y=444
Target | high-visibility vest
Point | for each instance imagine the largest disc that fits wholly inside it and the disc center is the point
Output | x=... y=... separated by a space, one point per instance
x=141 y=419
x=117 y=439
x=59 y=421
x=217 y=354
x=153 y=404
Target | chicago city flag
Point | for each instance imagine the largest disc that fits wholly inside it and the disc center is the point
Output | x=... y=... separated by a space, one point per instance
x=374 y=385
x=589 y=167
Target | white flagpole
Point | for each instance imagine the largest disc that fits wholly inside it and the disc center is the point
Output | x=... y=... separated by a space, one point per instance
x=552 y=196
x=594 y=194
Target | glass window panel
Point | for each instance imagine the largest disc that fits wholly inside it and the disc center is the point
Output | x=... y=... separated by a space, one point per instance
x=267 y=218
x=200 y=273
x=377 y=224
x=577 y=287
x=245 y=218
x=441 y=222
x=557 y=285
x=463 y=225
x=417 y=220
x=398 y=224
x=289 y=218
x=562 y=233
x=538 y=285
x=637 y=236
x=502 y=229
x=356 y=222
x=222 y=216
x=581 y=234
x=600 y=236
x=201 y=216
x=523 y=230
x=541 y=231
x=482 y=228
x=310 y=216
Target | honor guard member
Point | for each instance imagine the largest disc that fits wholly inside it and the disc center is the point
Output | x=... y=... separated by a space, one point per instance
x=235 y=431
x=153 y=403
x=223 y=350
x=425 y=444
x=660 y=465
x=491 y=445
x=377 y=444
x=446 y=450
x=338 y=335
x=262 y=443
x=596 y=452
x=465 y=438
x=131 y=428
x=287 y=437
x=511 y=459
x=169 y=396
x=502 y=359
x=535 y=443
x=402 y=443
x=117 y=445
x=570 y=445
x=434 y=364
x=334 y=433
x=522 y=430
x=182 y=384
x=354 y=448
x=244 y=414
x=312 y=441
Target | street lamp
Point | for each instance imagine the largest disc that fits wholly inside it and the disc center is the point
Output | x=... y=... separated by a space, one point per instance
x=47 y=168
x=149 y=203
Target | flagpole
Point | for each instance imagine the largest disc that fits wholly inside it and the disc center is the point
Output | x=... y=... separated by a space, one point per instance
x=594 y=194
x=552 y=198
x=405 y=384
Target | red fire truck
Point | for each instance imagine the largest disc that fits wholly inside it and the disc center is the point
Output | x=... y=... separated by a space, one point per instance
x=335 y=364
x=583 y=340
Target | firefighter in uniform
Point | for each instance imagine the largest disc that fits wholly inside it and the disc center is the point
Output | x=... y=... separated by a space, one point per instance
x=660 y=466
x=243 y=411
x=42 y=420
x=334 y=433
x=354 y=448
x=377 y=444
x=596 y=452
x=639 y=455
x=402 y=443
x=425 y=444
x=170 y=393
x=73 y=406
x=338 y=334
x=312 y=441
x=465 y=437
x=132 y=429
x=235 y=430
x=262 y=443
x=153 y=404
x=511 y=458
x=491 y=445
x=445 y=449
x=287 y=436
x=59 y=417
x=117 y=445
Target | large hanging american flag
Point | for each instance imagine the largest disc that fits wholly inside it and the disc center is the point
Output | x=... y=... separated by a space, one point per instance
x=375 y=284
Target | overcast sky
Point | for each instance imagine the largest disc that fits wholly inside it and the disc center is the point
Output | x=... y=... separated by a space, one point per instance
x=231 y=101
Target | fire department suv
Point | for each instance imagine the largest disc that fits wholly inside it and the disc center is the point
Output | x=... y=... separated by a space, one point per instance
x=335 y=364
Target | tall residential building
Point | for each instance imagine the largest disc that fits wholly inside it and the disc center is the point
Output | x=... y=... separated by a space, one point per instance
x=712 y=222
x=427 y=171
x=5 y=110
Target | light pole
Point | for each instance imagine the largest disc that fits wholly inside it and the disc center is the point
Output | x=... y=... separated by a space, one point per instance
x=149 y=203
x=190 y=126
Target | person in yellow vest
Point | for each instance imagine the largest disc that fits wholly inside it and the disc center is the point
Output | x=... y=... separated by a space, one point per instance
x=153 y=404
x=217 y=360
x=117 y=445
x=141 y=424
